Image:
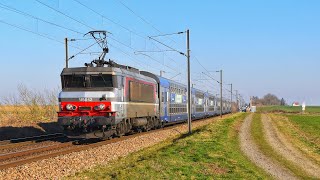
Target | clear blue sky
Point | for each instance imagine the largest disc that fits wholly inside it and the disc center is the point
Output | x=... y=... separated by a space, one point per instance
x=262 y=46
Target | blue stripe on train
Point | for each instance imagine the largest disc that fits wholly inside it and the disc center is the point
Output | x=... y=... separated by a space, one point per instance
x=184 y=116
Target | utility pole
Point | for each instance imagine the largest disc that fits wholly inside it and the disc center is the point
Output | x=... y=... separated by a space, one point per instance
x=237 y=100
x=188 y=62
x=66 y=47
x=189 y=88
x=231 y=97
x=221 y=93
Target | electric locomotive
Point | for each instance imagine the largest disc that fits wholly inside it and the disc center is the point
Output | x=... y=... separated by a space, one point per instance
x=115 y=99
x=108 y=97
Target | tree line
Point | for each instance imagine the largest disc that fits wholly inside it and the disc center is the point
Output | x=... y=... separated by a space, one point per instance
x=268 y=100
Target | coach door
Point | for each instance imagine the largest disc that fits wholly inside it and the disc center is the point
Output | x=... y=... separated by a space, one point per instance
x=164 y=103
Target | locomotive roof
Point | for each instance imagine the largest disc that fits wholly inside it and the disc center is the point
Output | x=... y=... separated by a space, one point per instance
x=106 y=70
x=90 y=70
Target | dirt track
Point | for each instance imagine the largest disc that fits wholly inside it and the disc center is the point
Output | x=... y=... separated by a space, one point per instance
x=277 y=140
x=255 y=155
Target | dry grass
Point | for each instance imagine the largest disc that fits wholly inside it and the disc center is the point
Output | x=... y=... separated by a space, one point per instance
x=28 y=106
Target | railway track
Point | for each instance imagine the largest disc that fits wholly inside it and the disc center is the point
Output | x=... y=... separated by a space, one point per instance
x=27 y=156
x=14 y=143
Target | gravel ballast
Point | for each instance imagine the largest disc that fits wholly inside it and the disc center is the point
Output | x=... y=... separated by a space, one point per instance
x=69 y=164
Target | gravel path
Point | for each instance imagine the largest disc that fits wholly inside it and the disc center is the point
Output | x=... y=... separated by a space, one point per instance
x=57 y=167
x=276 y=139
x=255 y=155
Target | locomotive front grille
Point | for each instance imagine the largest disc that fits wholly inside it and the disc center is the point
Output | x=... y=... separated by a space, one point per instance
x=85 y=108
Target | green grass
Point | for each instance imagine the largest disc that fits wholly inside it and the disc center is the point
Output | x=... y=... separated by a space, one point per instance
x=307 y=130
x=259 y=138
x=210 y=152
x=308 y=124
x=288 y=109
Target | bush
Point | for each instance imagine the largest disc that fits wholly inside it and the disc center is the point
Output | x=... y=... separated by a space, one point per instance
x=29 y=105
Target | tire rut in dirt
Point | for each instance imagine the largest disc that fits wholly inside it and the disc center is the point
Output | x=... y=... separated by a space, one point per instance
x=256 y=156
x=277 y=140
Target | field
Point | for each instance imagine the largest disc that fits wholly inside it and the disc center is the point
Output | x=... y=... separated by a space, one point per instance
x=304 y=132
x=28 y=106
x=24 y=115
x=288 y=109
x=212 y=151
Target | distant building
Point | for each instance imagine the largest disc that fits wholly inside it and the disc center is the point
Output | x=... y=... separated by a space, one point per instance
x=295 y=104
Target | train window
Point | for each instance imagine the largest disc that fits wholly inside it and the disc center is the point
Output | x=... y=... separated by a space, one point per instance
x=101 y=80
x=74 y=81
x=162 y=96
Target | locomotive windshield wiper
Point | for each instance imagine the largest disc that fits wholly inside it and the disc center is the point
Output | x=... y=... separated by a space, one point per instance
x=104 y=81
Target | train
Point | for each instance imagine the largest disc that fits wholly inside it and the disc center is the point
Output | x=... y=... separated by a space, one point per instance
x=114 y=99
x=119 y=99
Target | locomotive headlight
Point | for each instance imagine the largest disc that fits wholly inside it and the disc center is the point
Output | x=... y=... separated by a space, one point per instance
x=100 y=107
x=71 y=107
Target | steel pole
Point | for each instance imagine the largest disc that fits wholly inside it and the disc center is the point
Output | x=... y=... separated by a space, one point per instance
x=237 y=100
x=231 y=98
x=221 y=93
x=189 y=83
x=66 y=47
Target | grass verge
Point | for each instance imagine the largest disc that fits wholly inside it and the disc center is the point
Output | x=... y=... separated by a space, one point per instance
x=212 y=151
x=288 y=109
x=260 y=139
x=303 y=132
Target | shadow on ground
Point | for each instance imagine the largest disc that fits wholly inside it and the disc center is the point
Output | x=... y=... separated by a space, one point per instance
x=9 y=132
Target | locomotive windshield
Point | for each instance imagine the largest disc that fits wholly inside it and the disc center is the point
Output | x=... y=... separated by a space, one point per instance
x=101 y=80
x=74 y=81
x=87 y=81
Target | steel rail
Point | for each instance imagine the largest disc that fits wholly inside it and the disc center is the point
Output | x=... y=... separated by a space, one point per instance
x=33 y=151
x=81 y=147
x=7 y=144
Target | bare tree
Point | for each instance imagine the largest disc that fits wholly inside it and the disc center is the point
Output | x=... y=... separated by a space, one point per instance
x=268 y=100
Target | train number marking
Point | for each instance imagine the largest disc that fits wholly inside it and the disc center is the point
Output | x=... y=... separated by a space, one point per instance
x=85 y=99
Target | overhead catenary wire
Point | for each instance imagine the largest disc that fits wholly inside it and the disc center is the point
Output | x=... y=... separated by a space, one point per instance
x=167 y=46
x=71 y=19
x=82 y=50
x=91 y=9
x=81 y=22
x=146 y=56
x=3 y=6
x=130 y=56
x=169 y=34
x=211 y=77
x=120 y=25
x=140 y=17
x=35 y=33
x=144 y=20
x=57 y=25
x=64 y=14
